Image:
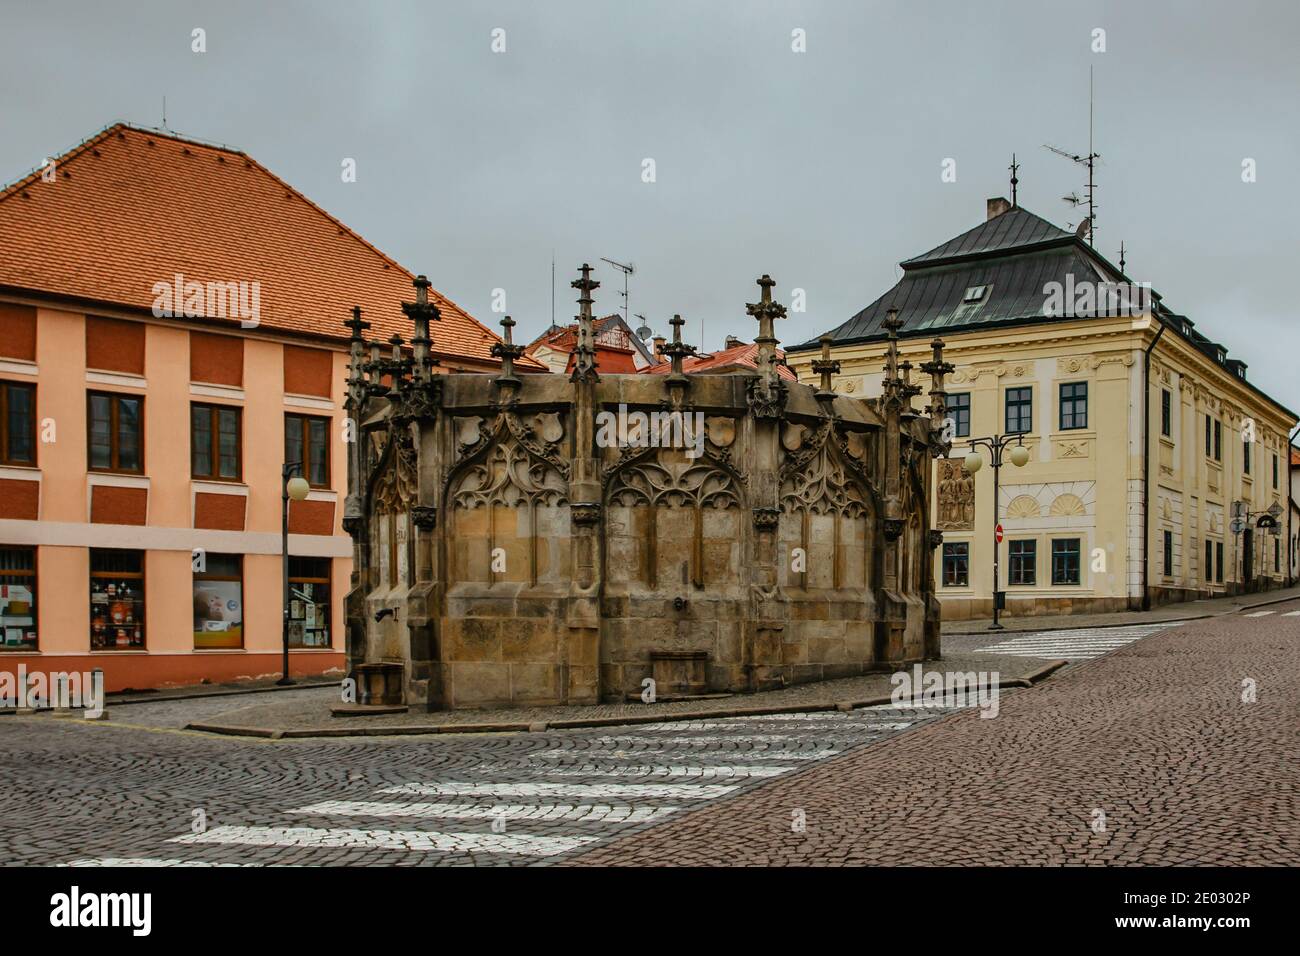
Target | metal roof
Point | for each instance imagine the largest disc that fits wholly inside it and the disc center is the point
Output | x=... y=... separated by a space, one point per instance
x=1014 y=229
x=934 y=298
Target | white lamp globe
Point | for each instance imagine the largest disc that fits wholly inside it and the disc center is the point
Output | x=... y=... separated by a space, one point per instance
x=1019 y=456
x=972 y=464
x=298 y=488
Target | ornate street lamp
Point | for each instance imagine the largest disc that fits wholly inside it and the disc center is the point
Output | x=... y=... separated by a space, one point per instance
x=1018 y=456
x=293 y=487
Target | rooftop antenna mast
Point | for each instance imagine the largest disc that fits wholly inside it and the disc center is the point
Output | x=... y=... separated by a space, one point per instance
x=627 y=270
x=1089 y=161
x=552 y=288
x=1015 y=181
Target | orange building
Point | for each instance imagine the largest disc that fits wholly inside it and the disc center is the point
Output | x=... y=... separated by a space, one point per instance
x=171 y=334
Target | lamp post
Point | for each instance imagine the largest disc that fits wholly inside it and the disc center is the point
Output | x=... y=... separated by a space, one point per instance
x=292 y=486
x=996 y=444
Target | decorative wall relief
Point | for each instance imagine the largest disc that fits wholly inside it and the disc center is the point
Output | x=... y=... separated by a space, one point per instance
x=956 y=497
x=661 y=480
x=511 y=476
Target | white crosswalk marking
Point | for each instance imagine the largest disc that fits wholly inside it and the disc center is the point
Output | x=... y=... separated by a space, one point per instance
x=569 y=813
x=1292 y=614
x=705 y=791
x=704 y=773
x=1074 y=644
x=716 y=755
x=641 y=777
x=1259 y=614
x=409 y=840
x=148 y=861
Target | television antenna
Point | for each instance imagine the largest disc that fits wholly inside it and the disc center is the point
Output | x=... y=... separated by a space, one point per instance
x=1089 y=160
x=627 y=270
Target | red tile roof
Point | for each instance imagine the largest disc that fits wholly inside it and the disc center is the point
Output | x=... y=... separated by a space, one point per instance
x=739 y=356
x=1295 y=457
x=132 y=207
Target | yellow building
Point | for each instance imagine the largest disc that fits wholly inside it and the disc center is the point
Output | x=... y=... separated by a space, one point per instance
x=1055 y=345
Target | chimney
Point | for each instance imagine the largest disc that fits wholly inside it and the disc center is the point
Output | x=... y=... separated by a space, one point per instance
x=997 y=207
x=659 y=341
x=732 y=342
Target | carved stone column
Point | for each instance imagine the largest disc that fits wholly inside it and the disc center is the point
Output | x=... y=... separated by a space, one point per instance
x=582 y=655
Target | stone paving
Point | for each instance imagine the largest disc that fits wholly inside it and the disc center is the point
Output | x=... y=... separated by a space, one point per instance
x=1148 y=755
x=310 y=708
x=94 y=794
x=1164 y=612
x=1153 y=735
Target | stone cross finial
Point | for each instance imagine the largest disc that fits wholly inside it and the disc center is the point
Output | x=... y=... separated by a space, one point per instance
x=826 y=367
x=421 y=313
x=356 y=324
x=766 y=311
x=892 y=383
x=678 y=350
x=584 y=352
x=937 y=369
x=507 y=351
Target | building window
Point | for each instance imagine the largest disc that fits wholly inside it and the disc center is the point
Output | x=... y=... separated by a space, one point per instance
x=1245 y=455
x=116 y=432
x=17 y=424
x=1020 y=410
x=1169 y=554
x=956 y=564
x=306 y=439
x=1074 y=405
x=1065 y=560
x=1166 y=414
x=1209 y=446
x=219 y=602
x=1218 y=440
x=1218 y=554
x=959 y=412
x=18 y=599
x=309 y=602
x=1277 y=554
x=116 y=600
x=1023 y=562
x=1209 y=562
x=1275 y=472
x=215 y=442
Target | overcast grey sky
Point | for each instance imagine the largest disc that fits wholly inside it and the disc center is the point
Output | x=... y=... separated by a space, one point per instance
x=821 y=168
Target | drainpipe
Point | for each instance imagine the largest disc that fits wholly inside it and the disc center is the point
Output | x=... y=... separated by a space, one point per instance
x=1146 y=463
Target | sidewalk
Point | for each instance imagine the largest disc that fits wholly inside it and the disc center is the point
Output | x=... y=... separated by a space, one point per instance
x=310 y=716
x=1182 y=611
x=305 y=710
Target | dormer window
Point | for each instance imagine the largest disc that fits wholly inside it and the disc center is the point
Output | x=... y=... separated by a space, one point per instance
x=975 y=293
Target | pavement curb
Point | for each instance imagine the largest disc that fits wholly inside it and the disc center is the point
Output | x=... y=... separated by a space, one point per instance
x=164 y=698
x=631 y=720
x=1061 y=625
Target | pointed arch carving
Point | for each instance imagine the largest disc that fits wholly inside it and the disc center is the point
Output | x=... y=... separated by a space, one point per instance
x=508 y=463
x=394 y=485
x=822 y=477
x=647 y=477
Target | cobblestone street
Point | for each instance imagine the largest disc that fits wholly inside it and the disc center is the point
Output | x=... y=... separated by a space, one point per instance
x=1153 y=735
x=106 y=794
x=1145 y=756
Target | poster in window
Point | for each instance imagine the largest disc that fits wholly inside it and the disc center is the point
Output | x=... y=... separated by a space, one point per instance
x=218 y=614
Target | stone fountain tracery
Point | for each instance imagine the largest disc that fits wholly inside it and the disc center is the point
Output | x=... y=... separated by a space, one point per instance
x=527 y=563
